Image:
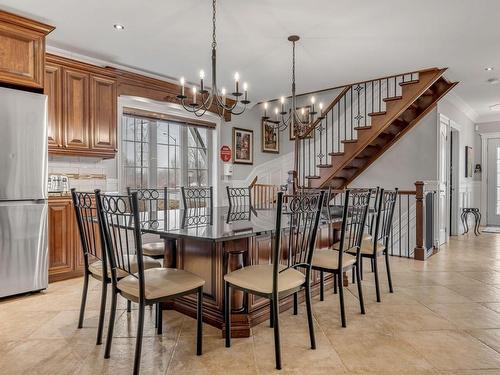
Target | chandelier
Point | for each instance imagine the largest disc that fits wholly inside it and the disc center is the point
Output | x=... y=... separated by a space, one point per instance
x=202 y=99
x=299 y=119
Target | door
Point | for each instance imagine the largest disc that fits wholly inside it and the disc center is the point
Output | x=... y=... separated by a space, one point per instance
x=53 y=87
x=443 y=184
x=493 y=185
x=23 y=145
x=103 y=113
x=23 y=247
x=61 y=237
x=76 y=110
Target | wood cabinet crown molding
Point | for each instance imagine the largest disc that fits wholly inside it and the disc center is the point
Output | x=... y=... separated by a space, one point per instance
x=24 y=22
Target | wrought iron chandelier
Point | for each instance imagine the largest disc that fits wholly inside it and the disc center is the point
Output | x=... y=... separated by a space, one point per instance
x=201 y=100
x=299 y=119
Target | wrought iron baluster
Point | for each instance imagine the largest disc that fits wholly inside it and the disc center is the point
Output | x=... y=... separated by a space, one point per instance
x=399 y=222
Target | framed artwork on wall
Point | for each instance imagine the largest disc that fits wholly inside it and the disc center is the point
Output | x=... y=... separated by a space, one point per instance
x=469 y=162
x=242 y=146
x=270 y=137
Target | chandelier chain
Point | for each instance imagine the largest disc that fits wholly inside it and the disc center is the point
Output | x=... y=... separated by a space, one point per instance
x=214 y=42
x=293 y=64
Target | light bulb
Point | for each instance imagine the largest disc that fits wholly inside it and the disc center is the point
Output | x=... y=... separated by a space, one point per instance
x=183 y=81
x=194 y=90
x=236 y=77
x=282 y=100
x=245 y=86
x=313 y=100
x=223 y=91
x=202 y=74
x=321 y=106
x=276 y=111
x=265 y=105
x=302 y=111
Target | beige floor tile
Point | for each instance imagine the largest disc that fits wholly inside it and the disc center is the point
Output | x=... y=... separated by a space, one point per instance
x=478 y=293
x=490 y=337
x=452 y=350
x=468 y=315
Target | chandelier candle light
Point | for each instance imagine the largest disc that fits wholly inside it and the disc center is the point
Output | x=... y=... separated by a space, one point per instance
x=213 y=97
x=297 y=118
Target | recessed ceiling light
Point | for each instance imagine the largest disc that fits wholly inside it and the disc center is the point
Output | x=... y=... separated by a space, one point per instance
x=493 y=81
x=117 y=26
x=495 y=107
x=488 y=69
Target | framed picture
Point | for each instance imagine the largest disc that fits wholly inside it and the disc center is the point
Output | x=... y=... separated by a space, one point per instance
x=270 y=137
x=469 y=162
x=242 y=146
x=304 y=118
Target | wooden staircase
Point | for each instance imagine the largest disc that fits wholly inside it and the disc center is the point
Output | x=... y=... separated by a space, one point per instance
x=364 y=121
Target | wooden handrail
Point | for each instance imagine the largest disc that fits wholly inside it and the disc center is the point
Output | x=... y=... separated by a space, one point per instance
x=328 y=109
x=254 y=181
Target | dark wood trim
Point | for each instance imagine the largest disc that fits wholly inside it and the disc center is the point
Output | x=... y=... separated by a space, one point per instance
x=419 y=253
x=162 y=116
x=79 y=65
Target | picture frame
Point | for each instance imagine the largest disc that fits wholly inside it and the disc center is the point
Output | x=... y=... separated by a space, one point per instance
x=469 y=162
x=242 y=146
x=270 y=137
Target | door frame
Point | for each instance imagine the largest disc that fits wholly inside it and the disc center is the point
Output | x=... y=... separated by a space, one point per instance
x=454 y=179
x=484 y=173
x=443 y=120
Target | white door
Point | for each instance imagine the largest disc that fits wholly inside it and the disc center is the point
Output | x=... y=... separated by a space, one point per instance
x=443 y=215
x=493 y=176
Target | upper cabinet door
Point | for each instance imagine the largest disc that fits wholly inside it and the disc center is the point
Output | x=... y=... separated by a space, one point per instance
x=103 y=113
x=53 y=90
x=22 y=50
x=76 y=109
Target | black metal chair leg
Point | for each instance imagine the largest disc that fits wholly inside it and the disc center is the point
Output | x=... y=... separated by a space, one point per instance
x=129 y=306
x=341 y=299
x=159 y=319
x=271 y=315
x=199 y=322
x=295 y=303
x=277 y=346
x=388 y=269
x=138 y=343
x=321 y=286
x=310 y=316
x=102 y=312
x=334 y=284
x=361 y=266
x=377 y=282
x=111 y=325
x=360 y=291
x=463 y=222
x=353 y=276
x=227 y=314
x=466 y=224
x=84 y=300
x=476 y=223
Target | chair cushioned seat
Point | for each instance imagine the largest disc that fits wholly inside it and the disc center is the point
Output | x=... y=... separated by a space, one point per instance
x=153 y=249
x=329 y=259
x=161 y=282
x=367 y=247
x=96 y=267
x=259 y=278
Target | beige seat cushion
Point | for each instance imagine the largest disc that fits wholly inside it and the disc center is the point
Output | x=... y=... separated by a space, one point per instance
x=96 y=267
x=259 y=278
x=367 y=247
x=153 y=249
x=161 y=282
x=329 y=259
x=366 y=237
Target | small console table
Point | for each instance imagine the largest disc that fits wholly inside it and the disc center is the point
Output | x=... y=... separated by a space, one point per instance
x=477 y=219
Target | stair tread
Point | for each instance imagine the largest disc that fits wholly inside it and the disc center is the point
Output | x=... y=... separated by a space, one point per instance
x=409 y=82
x=380 y=113
x=362 y=127
x=349 y=141
x=325 y=165
x=392 y=98
x=313 y=177
x=336 y=153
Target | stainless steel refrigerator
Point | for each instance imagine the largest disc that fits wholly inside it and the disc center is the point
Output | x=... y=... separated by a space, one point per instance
x=23 y=192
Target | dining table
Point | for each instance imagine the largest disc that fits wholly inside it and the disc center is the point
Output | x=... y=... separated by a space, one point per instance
x=212 y=241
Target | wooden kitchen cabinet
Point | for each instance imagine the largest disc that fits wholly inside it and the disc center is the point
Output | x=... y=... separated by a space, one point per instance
x=82 y=108
x=64 y=242
x=22 y=51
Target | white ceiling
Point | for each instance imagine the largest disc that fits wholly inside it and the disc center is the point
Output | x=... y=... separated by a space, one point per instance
x=342 y=41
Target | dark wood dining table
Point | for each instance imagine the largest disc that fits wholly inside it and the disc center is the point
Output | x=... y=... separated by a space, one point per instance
x=213 y=241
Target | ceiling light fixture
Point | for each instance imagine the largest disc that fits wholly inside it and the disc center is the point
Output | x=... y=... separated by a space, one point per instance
x=297 y=119
x=213 y=96
x=489 y=68
x=117 y=26
x=495 y=107
x=493 y=81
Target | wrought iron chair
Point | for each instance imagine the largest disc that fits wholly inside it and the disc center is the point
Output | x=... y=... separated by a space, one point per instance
x=239 y=197
x=152 y=204
x=122 y=233
x=337 y=259
x=378 y=245
x=197 y=197
x=297 y=218
x=94 y=259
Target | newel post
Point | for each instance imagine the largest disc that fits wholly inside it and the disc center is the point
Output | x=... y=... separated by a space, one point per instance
x=291 y=182
x=419 y=253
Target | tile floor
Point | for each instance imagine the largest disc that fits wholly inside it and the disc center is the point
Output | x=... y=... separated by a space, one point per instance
x=443 y=319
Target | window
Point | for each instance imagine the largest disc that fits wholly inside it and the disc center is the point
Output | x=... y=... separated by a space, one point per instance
x=163 y=153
